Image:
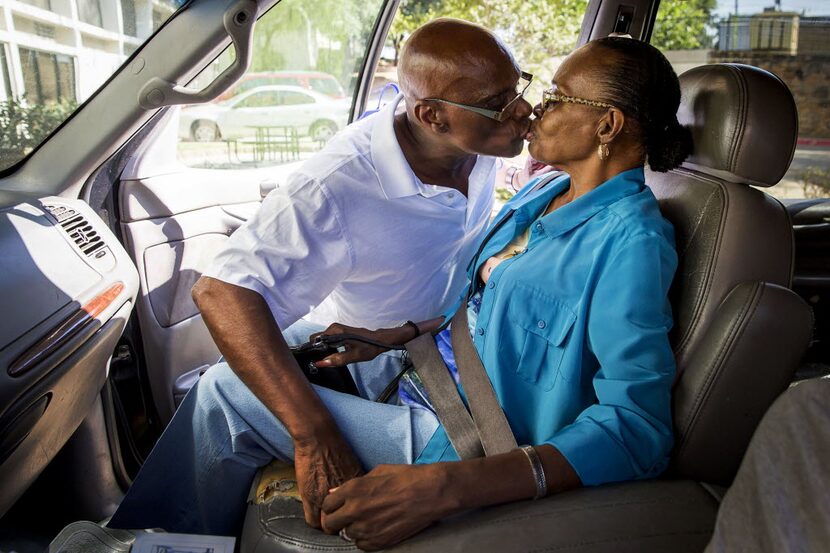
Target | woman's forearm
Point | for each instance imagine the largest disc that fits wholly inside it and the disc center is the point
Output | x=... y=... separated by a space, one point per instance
x=477 y=483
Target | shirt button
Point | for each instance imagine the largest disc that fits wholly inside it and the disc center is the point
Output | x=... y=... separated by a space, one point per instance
x=541 y=324
x=539 y=227
x=481 y=332
x=491 y=284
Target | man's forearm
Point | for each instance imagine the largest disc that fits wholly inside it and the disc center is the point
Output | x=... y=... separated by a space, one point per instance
x=244 y=329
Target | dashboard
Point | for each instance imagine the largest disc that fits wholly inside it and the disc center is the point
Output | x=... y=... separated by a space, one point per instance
x=67 y=288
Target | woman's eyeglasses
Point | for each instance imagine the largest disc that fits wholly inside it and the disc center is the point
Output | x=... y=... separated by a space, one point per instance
x=496 y=115
x=550 y=97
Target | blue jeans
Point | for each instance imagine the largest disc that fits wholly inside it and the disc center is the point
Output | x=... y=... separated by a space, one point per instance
x=197 y=478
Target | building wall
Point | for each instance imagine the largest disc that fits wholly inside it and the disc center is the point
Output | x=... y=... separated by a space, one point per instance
x=96 y=50
x=808 y=77
x=814 y=36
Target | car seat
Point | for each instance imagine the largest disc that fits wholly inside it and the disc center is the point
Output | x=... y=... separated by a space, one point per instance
x=739 y=334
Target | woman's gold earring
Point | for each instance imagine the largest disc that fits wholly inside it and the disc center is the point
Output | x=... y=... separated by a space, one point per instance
x=603 y=152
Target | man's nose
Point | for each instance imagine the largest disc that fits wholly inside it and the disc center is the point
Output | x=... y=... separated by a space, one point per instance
x=538 y=111
x=523 y=109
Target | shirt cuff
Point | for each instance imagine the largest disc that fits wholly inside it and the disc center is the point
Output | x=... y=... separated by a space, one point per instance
x=596 y=457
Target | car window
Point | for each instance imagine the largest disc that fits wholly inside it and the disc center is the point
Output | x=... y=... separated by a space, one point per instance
x=329 y=87
x=260 y=100
x=790 y=39
x=291 y=81
x=296 y=98
x=296 y=44
x=55 y=54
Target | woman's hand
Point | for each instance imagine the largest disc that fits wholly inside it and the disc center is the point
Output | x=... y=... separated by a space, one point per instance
x=360 y=351
x=389 y=504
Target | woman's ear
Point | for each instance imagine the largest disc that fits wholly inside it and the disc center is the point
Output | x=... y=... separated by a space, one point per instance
x=429 y=117
x=610 y=125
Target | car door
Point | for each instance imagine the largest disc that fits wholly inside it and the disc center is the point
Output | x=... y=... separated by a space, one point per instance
x=179 y=200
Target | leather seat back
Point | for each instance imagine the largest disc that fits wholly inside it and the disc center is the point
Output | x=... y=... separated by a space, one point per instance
x=739 y=331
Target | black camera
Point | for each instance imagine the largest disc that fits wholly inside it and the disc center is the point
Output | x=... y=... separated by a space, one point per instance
x=335 y=378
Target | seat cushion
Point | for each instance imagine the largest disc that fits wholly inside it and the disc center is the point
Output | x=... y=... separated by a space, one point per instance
x=641 y=517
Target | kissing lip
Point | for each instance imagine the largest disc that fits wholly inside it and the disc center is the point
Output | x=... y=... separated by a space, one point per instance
x=529 y=133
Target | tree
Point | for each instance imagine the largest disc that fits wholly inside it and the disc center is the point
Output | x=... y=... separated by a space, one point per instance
x=411 y=15
x=536 y=30
x=337 y=27
x=684 y=25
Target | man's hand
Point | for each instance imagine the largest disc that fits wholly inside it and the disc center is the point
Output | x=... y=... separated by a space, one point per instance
x=360 y=351
x=389 y=504
x=321 y=466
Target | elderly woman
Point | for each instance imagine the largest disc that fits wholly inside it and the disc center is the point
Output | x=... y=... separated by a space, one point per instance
x=567 y=307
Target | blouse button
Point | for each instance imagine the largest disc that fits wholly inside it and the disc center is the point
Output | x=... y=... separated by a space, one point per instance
x=539 y=227
x=541 y=324
x=481 y=332
x=491 y=284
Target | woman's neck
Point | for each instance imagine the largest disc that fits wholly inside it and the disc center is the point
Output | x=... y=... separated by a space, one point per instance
x=590 y=175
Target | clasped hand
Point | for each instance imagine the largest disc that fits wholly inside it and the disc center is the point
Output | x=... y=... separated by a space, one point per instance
x=387 y=505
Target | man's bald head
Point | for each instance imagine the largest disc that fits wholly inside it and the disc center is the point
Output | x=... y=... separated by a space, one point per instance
x=444 y=51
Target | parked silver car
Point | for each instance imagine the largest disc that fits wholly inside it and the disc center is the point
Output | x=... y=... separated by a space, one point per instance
x=266 y=107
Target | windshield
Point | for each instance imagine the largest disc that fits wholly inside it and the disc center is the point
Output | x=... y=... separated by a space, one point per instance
x=56 y=54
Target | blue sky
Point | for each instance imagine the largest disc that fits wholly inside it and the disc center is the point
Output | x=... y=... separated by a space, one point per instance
x=746 y=7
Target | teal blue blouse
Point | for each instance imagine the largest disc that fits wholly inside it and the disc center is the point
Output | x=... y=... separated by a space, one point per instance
x=573 y=332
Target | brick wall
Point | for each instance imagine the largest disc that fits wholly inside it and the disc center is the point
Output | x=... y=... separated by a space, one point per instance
x=808 y=78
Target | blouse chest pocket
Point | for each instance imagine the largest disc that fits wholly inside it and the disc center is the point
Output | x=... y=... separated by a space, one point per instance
x=539 y=329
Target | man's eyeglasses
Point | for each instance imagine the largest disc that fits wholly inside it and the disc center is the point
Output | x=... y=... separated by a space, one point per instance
x=497 y=115
x=551 y=97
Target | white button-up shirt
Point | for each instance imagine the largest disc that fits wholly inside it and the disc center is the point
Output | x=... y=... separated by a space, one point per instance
x=355 y=237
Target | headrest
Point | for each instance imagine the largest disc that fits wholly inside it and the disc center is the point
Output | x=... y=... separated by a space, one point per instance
x=743 y=120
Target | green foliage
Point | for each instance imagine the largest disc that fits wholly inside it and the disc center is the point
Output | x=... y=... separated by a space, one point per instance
x=327 y=33
x=684 y=25
x=536 y=29
x=504 y=194
x=23 y=126
x=816 y=182
x=539 y=30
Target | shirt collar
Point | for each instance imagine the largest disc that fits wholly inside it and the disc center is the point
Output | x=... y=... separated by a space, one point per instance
x=394 y=173
x=583 y=208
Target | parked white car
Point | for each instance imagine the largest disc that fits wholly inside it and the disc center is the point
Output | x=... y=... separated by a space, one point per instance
x=278 y=106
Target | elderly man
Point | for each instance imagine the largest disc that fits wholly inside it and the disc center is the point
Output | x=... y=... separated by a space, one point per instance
x=377 y=227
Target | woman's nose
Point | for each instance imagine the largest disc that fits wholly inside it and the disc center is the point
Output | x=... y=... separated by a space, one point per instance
x=537 y=111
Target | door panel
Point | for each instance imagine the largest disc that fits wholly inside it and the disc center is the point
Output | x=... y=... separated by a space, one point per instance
x=173 y=226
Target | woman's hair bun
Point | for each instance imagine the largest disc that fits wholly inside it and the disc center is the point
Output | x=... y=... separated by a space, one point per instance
x=668 y=146
x=642 y=83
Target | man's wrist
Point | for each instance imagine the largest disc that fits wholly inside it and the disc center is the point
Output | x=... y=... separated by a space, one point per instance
x=413 y=327
x=316 y=430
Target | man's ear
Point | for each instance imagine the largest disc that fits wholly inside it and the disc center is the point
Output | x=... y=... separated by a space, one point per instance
x=610 y=125
x=430 y=117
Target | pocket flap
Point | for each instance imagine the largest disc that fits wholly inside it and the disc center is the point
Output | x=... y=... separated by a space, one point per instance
x=541 y=314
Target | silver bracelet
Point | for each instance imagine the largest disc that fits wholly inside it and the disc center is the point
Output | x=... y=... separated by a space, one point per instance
x=538 y=471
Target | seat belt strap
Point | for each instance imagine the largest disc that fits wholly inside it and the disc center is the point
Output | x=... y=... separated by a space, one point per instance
x=444 y=397
x=487 y=430
x=493 y=428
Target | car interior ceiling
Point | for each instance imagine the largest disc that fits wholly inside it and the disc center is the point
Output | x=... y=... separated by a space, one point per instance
x=97 y=259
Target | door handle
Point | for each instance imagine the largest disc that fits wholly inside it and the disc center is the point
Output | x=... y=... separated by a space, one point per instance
x=266 y=186
x=239 y=23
